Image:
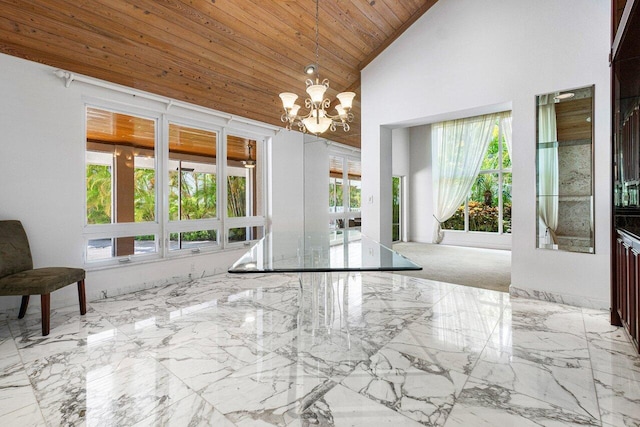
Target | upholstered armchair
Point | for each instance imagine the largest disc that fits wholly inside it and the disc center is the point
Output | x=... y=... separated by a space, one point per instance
x=18 y=277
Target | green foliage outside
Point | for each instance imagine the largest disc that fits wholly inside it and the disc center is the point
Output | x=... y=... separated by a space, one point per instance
x=355 y=197
x=236 y=205
x=145 y=195
x=198 y=194
x=396 y=209
x=335 y=193
x=198 y=198
x=98 y=194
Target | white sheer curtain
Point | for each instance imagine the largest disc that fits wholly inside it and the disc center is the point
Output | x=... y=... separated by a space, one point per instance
x=505 y=123
x=459 y=147
x=548 y=167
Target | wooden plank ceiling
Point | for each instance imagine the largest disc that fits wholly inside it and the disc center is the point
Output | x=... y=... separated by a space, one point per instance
x=233 y=56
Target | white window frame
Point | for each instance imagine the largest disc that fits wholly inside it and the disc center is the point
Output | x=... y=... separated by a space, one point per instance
x=162 y=227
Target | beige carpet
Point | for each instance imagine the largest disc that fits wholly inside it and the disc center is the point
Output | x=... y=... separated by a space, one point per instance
x=480 y=268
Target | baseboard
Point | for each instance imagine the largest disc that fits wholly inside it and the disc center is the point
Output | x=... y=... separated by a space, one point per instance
x=574 y=300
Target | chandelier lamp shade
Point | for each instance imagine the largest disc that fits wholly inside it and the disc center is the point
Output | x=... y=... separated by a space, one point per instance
x=249 y=163
x=317 y=119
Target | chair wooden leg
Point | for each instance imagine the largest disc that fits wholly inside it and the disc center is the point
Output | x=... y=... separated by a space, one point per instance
x=82 y=297
x=45 y=301
x=23 y=306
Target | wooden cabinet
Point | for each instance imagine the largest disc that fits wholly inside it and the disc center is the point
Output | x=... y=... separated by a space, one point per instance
x=627 y=284
x=625 y=85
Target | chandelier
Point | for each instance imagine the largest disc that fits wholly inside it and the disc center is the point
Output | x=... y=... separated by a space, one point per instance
x=317 y=120
x=249 y=163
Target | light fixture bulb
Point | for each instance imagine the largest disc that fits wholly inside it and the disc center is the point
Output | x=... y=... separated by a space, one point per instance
x=565 y=95
x=346 y=99
x=294 y=111
x=316 y=92
x=310 y=69
x=288 y=99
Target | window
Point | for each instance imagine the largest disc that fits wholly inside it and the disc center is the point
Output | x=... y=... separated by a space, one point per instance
x=120 y=183
x=345 y=192
x=143 y=201
x=488 y=205
x=245 y=181
x=192 y=188
x=396 y=204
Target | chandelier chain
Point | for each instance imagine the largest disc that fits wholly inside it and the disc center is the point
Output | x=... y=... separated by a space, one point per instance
x=317 y=39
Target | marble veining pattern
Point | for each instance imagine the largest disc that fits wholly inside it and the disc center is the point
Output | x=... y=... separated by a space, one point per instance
x=369 y=349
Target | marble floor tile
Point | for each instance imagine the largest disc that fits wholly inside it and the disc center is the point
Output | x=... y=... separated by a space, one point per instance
x=485 y=405
x=344 y=407
x=69 y=331
x=192 y=411
x=274 y=391
x=15 y=389
x=451 y=349
x=566 y=381
x=418 y=389
x=27 y=416
x=380 y=349
x=619 y=398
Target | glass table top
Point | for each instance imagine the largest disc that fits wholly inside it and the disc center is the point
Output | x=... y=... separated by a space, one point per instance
x=343 y=250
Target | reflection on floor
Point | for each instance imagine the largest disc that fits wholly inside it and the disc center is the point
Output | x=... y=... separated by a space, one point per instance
x=226 y=350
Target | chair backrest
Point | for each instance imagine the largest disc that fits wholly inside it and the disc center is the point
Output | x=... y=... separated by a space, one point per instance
x=15 y=255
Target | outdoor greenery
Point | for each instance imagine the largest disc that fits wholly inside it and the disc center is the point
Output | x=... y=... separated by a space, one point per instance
x=336 y=191
x=198 y=195
x=483 y=200
x=98 y=194
x=396 y=209
x=197 y=201
x=335 y=194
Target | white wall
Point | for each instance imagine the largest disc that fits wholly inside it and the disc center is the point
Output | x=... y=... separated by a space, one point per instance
x=464 y=57
x=42 y=146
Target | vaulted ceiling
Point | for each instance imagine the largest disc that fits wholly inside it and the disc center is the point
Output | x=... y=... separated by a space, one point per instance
x=234 y=56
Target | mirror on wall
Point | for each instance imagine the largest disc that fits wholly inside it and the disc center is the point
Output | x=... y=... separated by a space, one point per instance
x=564 y=170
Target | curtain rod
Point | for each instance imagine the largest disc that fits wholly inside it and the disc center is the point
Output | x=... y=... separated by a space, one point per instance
x=71 y=77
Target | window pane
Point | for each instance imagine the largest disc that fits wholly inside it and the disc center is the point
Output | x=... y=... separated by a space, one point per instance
x=243 y=234
x=395 y=204
x=145 y=190
x=456 y=222
x=483 y=204
x=244 y=178
x=192 y=173
x=120 y=162
x=506 y=157
x=193 y=239
x=506 y=202
x=335 y=195
x=108 y=248
x=236 y=196
x=491 y=159
x=355 y=185
x=99 y=181
x=336 y=184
